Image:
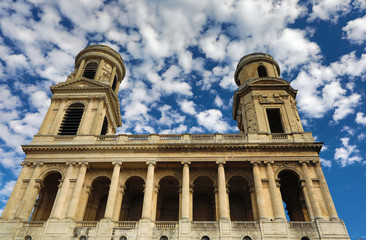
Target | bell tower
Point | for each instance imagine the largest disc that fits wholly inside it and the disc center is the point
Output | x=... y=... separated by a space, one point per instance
x=264 y=104
x=87 y=103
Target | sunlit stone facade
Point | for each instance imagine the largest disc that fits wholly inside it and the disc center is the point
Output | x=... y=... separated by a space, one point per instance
x=80 y=181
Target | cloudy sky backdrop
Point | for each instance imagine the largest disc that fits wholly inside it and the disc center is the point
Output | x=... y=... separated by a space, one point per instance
x=181 y=57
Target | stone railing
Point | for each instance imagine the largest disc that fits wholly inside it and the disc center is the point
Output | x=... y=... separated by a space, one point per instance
x=166 y=224
x=38 y=224
x=245 y=224
x=91 y=224
x=206 y=224
x=298 y=225
x=126 y=224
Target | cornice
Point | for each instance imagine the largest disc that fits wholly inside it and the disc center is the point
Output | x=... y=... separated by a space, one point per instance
x=177 y=146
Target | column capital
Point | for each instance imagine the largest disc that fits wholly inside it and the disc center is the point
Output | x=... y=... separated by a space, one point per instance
x=185 y=162
x=37 y=164
x=150 y=162
x=268 y=162
x=117 y=163
x=255 y=163
x=303 y=162
x=38 y=184
x=69 y=164
x=84 y=163
x=221 y=161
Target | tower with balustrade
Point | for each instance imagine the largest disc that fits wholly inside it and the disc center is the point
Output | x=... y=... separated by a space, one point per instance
x=81 y=181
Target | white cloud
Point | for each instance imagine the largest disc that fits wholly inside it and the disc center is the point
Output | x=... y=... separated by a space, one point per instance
x=218 y=101
x=360 y=118
x=347 y=154
x=212 y=120
x=329 y=9
x=326 y=163
x=187 y=106
x=355 y=30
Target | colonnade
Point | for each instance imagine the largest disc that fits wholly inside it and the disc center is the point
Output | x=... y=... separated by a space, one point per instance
x=20 y=204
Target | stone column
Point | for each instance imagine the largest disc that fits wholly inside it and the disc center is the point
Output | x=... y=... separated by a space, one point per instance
x=149 y=185
x=278 y=210
x=223 y=205
x=53 y=130
x=113 y=191
x=311 y=191
x=309 y=209
x=60 y=200
x=30 y=195
x=185 y=191
x=259 y=192
x=326 y=194
x=74 y=201
x=85 y=123
x=117 y=210
x=16 y=194
x=80 y=69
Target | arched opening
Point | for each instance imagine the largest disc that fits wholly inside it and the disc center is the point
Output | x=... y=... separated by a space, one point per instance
x=114 y=84
x=164 y=238
x=46 y=197
x=71 y=121
x=104 y=127
x=28 y=237
x=205 y=238
x=247 y=238
x=132 y=200
x=262 y=71
x=90 y=70
x=83 y=237
x=204 y=200
x=123 y=238
x=97 y=201
x=305 y=238
x=274 y=120
x=239 y=199
x=168 y=200
x=292 y=196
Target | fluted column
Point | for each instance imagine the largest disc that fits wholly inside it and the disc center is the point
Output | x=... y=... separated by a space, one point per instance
x=223 y=204
x=326 y=194
x=113 y=191
x=278 y=210
x=74 y=201
x=60 y=200
x=259 y=192
x=29 y=197
x=16 y=194
x=149 y=186
x=185 y=191
x=311 y=191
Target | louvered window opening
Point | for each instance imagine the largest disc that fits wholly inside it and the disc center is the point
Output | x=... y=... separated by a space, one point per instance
x=114 y=83
x=104 y=127
x=90 y=70
x=70 y=123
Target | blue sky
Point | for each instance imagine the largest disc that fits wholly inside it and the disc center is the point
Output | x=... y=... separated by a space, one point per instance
x=181 y=57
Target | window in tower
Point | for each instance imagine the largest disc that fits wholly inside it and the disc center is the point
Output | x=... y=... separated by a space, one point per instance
x=114 y=83
x=70 y=123
x=274 y=120
x=262 y=71
x=104 y=127
x=90 y=70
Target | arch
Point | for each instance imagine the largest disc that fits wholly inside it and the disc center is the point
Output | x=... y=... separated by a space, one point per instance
x=246 y=177
x=46 y=197
x=167 y=208
x=204 y=199
x=123 y=237
x=305 y=238
x=288 y=168
x=72 y=118
x=194 y=177
x=83 y=237
x=51 y=171
x=97 y=200
x=28 y=237
x=131 y=208
x=205 y=238
x=239 y=199
x=247 y=238
x=164 y=237
x=292 y=196
x=90 y=69
x=262 y=71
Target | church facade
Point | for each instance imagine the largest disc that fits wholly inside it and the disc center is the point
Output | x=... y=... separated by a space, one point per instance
x=81 y=181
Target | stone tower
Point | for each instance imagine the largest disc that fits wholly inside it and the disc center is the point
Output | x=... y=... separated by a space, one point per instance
x=80 y=181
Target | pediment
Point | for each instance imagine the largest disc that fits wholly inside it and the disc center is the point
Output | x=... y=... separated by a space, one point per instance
x=268 y=81
x=79 y=84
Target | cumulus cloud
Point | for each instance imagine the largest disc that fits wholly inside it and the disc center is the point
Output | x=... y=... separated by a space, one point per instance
x=360 y=118
x=212 y=120
x=347 y=154
x=329 y=9
x=187 y=106
x=355 y=30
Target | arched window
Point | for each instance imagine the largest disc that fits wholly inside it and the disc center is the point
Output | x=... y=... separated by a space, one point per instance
x=27 y=237
x=305 y=238
x=90 y=70
x=262 y=71
x=205 y=238
x=292 y=196
x=83 y=237
x=163 y=238
x=123 y=238
x=104 y=127
x=247 y=238
x=70 y=123
x=114 y=83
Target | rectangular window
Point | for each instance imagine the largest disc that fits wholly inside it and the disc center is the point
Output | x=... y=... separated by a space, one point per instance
x=274 y=120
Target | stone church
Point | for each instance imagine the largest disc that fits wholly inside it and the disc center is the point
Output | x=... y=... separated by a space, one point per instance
x=80 y=181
